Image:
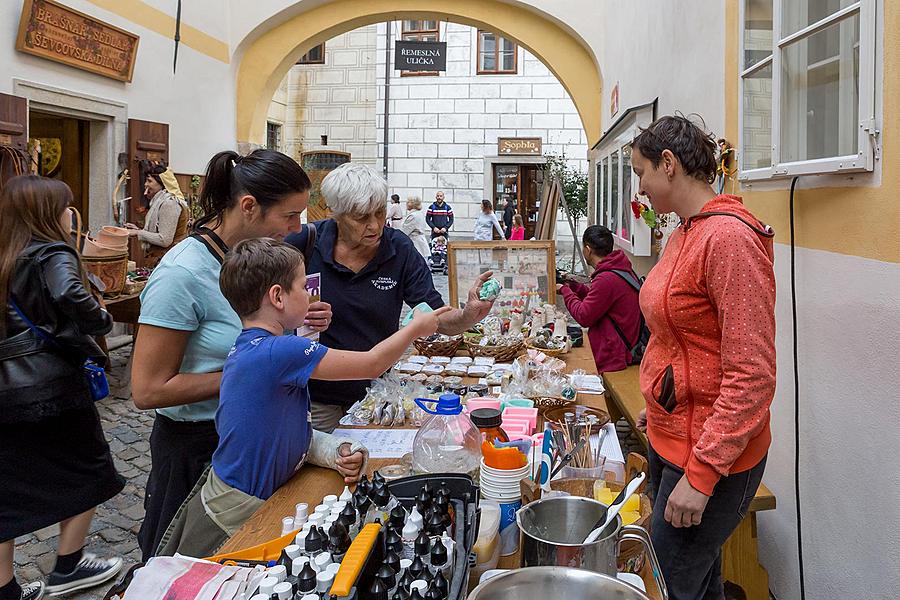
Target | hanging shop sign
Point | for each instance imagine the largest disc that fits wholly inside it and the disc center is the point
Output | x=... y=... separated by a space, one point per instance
x=527 y=146
x=56 y=32
x=420 y=56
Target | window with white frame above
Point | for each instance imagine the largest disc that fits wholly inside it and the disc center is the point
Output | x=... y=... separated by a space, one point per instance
x=807 y=87
x=420 y=31
x=615 y=185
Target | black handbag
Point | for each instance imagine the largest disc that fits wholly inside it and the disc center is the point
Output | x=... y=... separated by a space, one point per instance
x=94 y=374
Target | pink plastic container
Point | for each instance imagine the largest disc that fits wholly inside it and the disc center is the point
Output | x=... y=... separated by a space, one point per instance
x=518 y=422
x=516 y=428
x=476 y=403
x=515 y=412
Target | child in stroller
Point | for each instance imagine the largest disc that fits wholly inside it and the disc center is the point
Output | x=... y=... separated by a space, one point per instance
x=438 y=259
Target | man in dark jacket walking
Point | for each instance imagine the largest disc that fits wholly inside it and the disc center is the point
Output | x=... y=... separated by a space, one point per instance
x=509 y=211
x=607 y=303
x=439 y=216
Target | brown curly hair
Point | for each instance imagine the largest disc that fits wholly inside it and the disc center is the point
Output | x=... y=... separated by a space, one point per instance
x=691 y=144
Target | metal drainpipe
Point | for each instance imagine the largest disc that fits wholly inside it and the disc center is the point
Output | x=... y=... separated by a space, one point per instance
x=387 y=92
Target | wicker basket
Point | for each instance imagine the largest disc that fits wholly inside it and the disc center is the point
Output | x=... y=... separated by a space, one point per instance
x=111 y=270
x=552 y=353
x=500 y=353
x=438 y=348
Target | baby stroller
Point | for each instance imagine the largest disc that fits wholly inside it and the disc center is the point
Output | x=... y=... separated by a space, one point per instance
x=438 y=259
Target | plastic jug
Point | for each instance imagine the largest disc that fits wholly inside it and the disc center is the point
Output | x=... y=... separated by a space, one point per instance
x=448 y=441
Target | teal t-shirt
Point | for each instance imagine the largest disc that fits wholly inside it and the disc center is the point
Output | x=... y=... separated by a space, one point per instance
x=183 y=293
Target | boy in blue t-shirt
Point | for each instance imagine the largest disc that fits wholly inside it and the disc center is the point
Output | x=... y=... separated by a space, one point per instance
x=263 y=420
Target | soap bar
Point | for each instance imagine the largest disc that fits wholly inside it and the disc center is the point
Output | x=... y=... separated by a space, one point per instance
x=490 y=289
x=421 y=307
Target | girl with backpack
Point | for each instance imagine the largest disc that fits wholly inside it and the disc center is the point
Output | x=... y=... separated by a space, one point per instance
x=608 y=307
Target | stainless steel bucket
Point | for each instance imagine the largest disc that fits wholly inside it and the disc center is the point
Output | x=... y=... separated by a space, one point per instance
x=552 y=531
x=543 y=583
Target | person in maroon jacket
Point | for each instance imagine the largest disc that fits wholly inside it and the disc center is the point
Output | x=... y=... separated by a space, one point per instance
x=608 y=302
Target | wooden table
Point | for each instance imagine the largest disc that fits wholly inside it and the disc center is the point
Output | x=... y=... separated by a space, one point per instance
x=311 y=484
x=125 y=308
x=740 y=557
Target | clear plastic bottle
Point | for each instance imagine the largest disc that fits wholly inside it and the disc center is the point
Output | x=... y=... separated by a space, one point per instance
x=447 y=442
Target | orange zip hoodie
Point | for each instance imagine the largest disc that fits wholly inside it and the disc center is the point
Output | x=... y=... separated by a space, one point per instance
x=708 y=374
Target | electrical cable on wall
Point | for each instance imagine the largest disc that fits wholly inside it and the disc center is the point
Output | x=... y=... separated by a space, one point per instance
x=796 y=398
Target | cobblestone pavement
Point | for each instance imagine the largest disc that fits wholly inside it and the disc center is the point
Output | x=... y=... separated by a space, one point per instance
x=115 y=526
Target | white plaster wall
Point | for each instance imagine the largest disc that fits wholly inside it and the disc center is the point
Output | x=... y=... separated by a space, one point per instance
x=442 y=127
x=848 y=311
x=670 y=50
x=197 y=101
x=336 y=99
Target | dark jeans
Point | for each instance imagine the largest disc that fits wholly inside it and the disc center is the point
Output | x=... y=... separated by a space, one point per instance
x=179 y=453
x=691 y=557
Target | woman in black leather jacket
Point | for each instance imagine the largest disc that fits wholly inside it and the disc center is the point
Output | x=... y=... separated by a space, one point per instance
x=55 y=465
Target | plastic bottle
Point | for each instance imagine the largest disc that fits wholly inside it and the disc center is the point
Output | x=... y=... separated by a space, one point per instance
x=306 y=582
x=447 y=442
x=283 y=591
x=488 y=421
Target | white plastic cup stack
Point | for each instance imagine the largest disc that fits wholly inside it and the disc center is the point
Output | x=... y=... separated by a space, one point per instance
x=301 y=514
x=502 y=485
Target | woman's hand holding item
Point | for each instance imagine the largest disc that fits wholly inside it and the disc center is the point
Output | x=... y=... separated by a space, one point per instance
x=318 y=317
x=132 y=229
x=686 y=504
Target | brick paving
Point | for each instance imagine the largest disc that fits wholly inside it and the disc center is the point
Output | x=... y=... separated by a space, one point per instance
x=115 y=526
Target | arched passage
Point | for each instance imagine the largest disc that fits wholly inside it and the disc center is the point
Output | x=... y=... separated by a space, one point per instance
x=269 y=56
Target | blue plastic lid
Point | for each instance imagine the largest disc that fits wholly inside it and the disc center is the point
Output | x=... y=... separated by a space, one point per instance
x=446 y=404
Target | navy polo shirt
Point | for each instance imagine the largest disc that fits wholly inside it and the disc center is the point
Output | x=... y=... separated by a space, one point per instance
x=366 y=305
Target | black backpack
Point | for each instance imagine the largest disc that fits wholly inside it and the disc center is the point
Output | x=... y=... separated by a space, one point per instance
x=636 y=350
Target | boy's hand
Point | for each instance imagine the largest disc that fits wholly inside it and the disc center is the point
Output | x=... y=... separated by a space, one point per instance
x=349 y=465
x=426 y=323
x=318 y=317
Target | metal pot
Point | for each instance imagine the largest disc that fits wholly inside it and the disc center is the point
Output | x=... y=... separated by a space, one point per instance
x=553 y=530
x=541 y=583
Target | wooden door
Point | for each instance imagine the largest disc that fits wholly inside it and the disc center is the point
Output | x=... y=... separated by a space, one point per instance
x=14 y=136
x=148 y=144
x=65 y=154
x=531 y=198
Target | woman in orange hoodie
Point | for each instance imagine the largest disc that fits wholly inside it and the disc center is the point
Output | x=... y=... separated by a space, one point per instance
x=708 y=374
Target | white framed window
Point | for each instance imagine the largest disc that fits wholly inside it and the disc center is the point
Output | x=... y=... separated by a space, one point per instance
x=807 y=89
x=615 y=184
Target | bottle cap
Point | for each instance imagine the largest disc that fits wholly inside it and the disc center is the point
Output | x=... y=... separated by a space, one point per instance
x=348 y=514
x=279 y=572
x=321 y=561
x=418 y=585
x=378 y=478
x=486 y=418
x=436 y=524
x=438 y=554
x=287 y=525
x=416 y=595
x=378 y=590
x=301 y=513
x=297 y=565
x=423 y=544
x=324 y=581
x=405 y=563
x=306 y=582
x=393 y=541
x=322 y=509
x=392 y=559
x=363 y=485
x=337 y=507
x=410 y=532
x=292 y=550
x=283 y=590
x=329 y=500
x=387 y=576
x=345 y=496
x=314 y=540
x=398 y=517
x=417 y=567
x=267 y=586
x=333 y=568
x=441 y=584
x=310 y=597
x=401 y=594
x=433 y=594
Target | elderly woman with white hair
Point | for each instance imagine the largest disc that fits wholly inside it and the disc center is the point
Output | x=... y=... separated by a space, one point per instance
x=367 y=273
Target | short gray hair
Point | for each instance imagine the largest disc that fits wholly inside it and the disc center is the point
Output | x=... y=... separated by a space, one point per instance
x=355 y=188
x=413 y=203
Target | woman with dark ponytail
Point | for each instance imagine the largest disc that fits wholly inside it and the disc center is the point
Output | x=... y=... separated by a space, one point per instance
x=187 y=326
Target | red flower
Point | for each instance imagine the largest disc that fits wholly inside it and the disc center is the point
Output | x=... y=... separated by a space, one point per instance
x=636 y=208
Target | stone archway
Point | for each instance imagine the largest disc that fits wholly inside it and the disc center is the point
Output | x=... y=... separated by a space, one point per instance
x=272 y=51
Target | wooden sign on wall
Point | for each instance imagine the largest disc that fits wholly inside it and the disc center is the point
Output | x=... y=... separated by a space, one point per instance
x=55 y=32
x=525 y=146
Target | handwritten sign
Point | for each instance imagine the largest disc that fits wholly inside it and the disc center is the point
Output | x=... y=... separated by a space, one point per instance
x=527 y=146
x=58 y=33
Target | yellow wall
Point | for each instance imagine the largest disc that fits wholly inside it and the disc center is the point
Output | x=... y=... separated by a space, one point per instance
x=156 y=20
x=857 y=221
x=268 y=58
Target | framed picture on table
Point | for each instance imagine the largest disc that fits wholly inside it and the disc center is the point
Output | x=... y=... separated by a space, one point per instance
x=525 y=269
